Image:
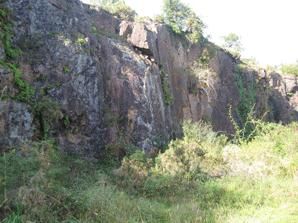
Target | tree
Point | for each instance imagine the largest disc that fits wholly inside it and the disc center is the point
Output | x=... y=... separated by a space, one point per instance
x=118 y=8
x=232 y=44
x=290 y=69
x=182 y=20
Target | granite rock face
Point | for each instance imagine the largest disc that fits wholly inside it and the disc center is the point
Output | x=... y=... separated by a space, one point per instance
x=118 y=81
x=283 y=97
x=15 y=124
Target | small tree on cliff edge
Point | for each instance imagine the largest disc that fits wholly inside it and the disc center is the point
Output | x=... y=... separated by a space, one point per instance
x=232 y=44
x=118 y=8
x=182 y=20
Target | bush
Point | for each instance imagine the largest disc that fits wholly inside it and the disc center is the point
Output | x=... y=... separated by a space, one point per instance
x=196 y=156
x=134 y=170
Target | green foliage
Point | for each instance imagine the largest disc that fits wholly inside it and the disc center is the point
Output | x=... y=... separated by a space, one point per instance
x=6 y=35
x=159 y=19
x=142 y=19
x=250 y=183
x=201 y=75
x=13 y=218
x=289 y=69
x=247 y=127
x=187 y=159
x=45 y=110
x=250 y=129
x=66 y=69
x=48 y=114
x=247 y=93
x=204 y=59
x=81 y=40
x=201 y=65
x=66 y=121
x=25 y=90
x=182 y=20
x=253 y=63
x=197 y=153
x=232 y=44
x=118 y=8
x=167 y=95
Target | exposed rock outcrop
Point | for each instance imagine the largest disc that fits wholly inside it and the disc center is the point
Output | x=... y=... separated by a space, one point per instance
x=15 y=124
x=124 y=81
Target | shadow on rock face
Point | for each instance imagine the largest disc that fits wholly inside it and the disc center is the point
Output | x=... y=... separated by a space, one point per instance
x=117 y=81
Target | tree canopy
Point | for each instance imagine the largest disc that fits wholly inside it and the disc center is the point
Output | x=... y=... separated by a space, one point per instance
x=183 y=20
x=118 y=8
x=232 y=44
x=290 y=69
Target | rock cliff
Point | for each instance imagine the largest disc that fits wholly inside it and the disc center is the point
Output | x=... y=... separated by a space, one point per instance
x=98 y=82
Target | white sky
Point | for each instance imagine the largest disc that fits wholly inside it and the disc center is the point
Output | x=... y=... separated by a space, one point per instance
x=268 y=28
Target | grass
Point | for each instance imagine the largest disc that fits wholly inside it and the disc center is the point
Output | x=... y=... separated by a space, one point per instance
x=192 y=181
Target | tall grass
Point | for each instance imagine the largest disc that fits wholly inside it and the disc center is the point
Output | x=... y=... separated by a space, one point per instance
x=199 y=178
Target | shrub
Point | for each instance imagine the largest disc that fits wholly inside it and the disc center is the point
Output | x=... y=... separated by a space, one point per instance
x=134 y=170
x=196 y=156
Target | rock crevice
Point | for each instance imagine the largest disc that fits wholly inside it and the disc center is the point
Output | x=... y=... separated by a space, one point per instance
x=106 y=76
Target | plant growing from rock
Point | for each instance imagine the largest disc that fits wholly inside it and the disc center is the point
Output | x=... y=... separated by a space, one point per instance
x=165 y=85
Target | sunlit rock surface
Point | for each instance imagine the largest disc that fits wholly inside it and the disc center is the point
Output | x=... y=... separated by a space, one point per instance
x=108 y=77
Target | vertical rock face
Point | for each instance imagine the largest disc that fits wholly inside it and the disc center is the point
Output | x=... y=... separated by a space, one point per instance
x=15 y=124
x=206 y=96
x=133 y=95
x=116 y=81
x=283 y=97
x=62 y=61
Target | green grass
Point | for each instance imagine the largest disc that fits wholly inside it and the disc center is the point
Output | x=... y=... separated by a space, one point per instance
x=41 y=184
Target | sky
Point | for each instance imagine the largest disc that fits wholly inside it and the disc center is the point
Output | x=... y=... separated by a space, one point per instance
x=268 y=28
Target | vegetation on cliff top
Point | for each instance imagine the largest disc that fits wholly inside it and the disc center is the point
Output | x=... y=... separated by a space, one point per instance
x=182 y=20
x=118 y=8
x=233 y=44
x=290 y=69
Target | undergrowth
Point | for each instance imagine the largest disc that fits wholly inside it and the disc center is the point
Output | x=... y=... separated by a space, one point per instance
x=199 y=178
x=247 y=92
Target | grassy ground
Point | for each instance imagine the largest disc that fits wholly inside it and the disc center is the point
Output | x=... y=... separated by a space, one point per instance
x=200 y=178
